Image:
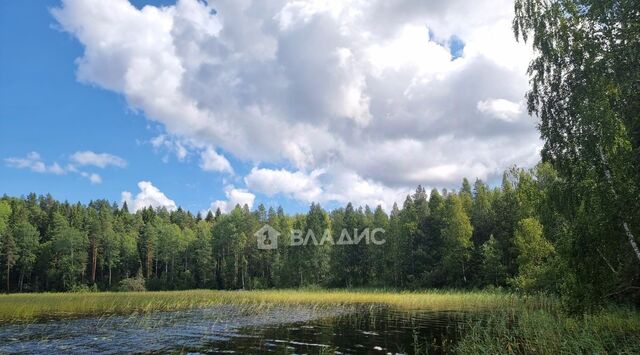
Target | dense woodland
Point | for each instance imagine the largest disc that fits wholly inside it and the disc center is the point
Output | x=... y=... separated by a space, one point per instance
x=509 y=236
x=476 y=237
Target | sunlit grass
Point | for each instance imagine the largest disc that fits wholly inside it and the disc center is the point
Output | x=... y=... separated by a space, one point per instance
x=27 y=307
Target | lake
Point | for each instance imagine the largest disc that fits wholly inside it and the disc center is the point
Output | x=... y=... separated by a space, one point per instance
x=230 y=329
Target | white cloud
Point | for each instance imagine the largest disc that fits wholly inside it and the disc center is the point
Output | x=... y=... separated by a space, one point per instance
x=212 y=161
x=34 y=162
x=149 y=195
x=345 y=186
x=100 y=160
x=298 y=185
x=94 y=178
x=324 y=186
x=234 y=197
x=172 y=145
x=366 y=91
x=55 y=168
x=501 y=109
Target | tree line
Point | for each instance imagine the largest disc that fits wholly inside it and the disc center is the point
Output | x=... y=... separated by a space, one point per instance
x=514 y=235
x=475 y=237
x=567 y=226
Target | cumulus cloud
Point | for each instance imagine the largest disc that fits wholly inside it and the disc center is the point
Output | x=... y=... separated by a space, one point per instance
x=367 y=91
x=501 y=109
x=234 y=197
x=298 y=185
x=342 y=185
x=100 y=160
x=212 y=161
x=149 y=196
x=34 y=162
x=334 y=185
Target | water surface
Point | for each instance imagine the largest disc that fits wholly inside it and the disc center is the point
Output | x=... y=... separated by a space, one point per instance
x=229 y=329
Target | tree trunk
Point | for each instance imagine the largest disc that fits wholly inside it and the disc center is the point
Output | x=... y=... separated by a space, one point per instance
x=235 y=271
x=625 y=226
x=243 y=279
x=94 y=259
x=464 y=275
x=300 y=272
x=149 y=260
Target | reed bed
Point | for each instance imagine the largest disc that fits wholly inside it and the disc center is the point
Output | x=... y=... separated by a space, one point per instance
x=37 y=306
x=610 y=331
x=507 y=323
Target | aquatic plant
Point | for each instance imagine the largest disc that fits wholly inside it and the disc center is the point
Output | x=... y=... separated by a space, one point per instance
x=611 y=330
x=27 y=307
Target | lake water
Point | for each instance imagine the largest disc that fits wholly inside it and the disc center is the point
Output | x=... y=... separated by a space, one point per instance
x=228 y=329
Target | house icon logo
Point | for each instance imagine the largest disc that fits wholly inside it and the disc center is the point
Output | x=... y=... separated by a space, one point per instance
x=267 y=237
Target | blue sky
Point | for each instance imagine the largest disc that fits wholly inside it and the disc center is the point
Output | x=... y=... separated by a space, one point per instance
x=351 y=121
x=46 y=110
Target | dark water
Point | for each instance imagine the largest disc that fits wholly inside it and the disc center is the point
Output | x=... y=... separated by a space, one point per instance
x=227 y=329
x=369 y=331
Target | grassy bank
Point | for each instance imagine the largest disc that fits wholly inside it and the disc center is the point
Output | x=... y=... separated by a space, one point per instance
x=28 y=307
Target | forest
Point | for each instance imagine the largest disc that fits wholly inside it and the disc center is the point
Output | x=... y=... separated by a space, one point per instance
x=511 y=236
x=567 y=226
x=535 y=252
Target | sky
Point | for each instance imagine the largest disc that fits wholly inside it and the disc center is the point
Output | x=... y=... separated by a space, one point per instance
x=205 y=105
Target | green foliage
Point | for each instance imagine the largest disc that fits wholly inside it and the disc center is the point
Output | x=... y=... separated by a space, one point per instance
x=69 y=255
x=584 y=88
x=132 y=284
x=493 y=270
x=478 y=237
x=436 y=240
x=82 y=288
x=5 y=212
x=457 y=241
x=28 y=245
x=534 y=252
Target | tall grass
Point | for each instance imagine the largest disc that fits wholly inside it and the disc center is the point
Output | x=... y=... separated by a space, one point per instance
x=527 y=331
x=28 y=307
x=509 y=323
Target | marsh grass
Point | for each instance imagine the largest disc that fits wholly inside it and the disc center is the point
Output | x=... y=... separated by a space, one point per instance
x=528 y=331
x=501 y=322
x=39 y=306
